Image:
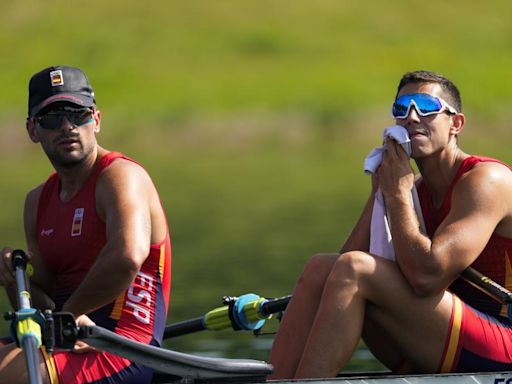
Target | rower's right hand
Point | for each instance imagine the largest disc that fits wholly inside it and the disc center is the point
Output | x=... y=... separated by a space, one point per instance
x=6 y=272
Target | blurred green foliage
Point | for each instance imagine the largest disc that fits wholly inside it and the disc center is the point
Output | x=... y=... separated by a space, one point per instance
x=253 y=118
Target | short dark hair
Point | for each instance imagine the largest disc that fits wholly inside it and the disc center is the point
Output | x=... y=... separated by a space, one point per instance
x=451 y=91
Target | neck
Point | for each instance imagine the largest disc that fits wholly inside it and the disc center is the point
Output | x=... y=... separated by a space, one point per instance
x=438 y=170
x=73 y=177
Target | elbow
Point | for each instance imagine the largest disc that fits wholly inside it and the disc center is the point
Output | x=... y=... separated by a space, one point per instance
x=132 y=262
x=427 y=284
x=428 y=276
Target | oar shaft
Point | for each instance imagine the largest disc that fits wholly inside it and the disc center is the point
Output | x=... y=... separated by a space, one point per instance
x=29 y=345
x=28 y=331
x=219 y=318
x=488 y=286
x=274 y=306
x=184 y=328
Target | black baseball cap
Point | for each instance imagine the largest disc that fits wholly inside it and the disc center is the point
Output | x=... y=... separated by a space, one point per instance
x=59 y=84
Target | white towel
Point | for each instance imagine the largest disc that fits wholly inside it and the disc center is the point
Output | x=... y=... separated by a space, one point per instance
x=381 y=242
x=374 y=158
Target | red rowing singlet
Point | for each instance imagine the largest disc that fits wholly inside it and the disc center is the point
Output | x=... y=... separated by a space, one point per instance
x=71 y=235
x=495 y=259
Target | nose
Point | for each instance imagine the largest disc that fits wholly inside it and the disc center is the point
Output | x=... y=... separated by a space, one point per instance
x=413 y=115
x=66 y=124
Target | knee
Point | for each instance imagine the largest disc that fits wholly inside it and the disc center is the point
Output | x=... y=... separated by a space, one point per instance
x=350 y=268
x=316 y=271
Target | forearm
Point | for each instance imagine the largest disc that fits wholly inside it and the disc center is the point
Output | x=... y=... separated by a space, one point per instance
x=106 y=280
x=413 y=248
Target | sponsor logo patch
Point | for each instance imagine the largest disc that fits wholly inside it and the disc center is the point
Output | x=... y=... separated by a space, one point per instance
x=46 y=232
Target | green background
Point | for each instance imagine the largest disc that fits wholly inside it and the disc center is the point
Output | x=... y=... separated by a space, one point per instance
x=253 y=119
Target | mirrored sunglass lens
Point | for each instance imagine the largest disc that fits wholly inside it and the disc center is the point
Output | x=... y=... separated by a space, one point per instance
x=400 y=110
x=425 y=104
x=401 y=106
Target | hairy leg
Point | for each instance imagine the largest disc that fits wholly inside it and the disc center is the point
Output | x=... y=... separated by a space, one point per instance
x=417 y=325
x=299 y=315
x=13 y=368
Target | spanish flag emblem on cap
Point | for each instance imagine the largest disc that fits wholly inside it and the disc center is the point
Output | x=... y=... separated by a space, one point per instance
x=56 y=78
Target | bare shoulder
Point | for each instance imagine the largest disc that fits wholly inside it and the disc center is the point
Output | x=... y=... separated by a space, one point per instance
x=487 y=188
x=125 y=189
x=124 y=177
x=33 y=195
x=32 y=201
x=121 y=169
x=123 y=182
x=489 y=175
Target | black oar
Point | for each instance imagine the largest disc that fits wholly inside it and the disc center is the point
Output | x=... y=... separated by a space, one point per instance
x=489 y=287
x=248 y=312
x=26 y=328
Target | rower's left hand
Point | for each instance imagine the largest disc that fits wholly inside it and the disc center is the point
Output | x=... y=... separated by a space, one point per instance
x=80 y=346
x=396 y=177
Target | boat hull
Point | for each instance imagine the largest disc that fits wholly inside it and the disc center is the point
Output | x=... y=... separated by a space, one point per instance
x=376 y=378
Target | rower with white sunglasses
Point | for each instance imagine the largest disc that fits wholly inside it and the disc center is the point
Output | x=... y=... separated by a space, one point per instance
x=415 y=314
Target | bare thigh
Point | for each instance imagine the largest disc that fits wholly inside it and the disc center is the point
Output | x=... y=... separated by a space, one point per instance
x=418 y=326
x=380 y=344
x=13 y=368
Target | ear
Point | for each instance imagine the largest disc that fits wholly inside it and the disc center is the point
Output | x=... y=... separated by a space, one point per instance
x=97 y=119
x=457 y=124
x=33 y=133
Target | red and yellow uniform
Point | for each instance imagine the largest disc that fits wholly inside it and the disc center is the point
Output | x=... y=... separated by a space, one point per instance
x=480 y=334
x=70 y=236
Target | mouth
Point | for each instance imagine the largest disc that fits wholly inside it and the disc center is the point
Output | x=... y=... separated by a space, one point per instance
x=417 y=134
x=67 y=141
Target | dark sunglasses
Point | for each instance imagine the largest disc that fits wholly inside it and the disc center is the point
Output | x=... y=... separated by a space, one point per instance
x=52 y=120
x=424 y=103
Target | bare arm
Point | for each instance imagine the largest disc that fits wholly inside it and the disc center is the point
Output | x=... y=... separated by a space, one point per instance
x=431 y=265
x=41 y=282
x=124 y=196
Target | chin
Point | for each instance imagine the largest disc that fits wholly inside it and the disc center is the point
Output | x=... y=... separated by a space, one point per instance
x=69 y=159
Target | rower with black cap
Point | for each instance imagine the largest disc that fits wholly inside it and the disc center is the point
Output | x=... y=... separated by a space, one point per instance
x=96 y=234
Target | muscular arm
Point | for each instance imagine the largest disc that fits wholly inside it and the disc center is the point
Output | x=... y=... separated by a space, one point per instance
x=124 y=195
x=430 y=265
x=41 y=282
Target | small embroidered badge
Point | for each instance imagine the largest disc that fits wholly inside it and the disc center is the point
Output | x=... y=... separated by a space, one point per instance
x=56 y=78
x=76 y=227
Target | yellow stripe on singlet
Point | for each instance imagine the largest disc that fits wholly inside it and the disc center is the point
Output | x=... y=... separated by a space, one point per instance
x=118 y=307
x=453 y=338
x=161 y=264
x=50 y=366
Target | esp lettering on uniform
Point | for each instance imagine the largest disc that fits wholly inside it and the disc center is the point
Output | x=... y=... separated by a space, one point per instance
x=140 y=300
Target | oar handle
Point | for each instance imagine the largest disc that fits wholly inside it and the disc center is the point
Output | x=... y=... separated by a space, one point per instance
x=19 y=259
x=19 y=264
